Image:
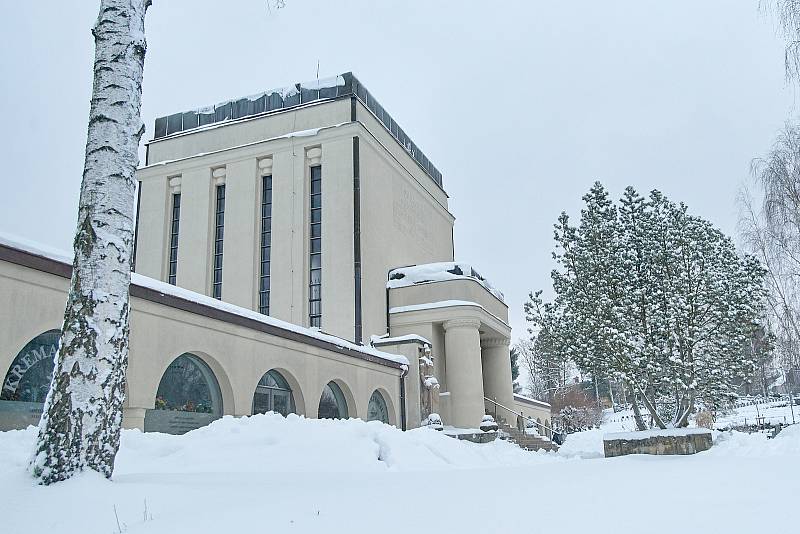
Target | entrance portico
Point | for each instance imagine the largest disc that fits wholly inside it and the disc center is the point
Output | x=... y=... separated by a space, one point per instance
x=466 y=322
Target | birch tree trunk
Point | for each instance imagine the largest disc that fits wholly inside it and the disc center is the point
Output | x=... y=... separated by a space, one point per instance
x=80 y=427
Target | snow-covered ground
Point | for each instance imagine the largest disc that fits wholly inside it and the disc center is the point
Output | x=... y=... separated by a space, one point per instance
x=267 y=473
x=772 y=412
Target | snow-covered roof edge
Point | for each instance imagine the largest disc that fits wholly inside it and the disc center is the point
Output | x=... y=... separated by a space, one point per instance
x=163 y=288
x=523 y=398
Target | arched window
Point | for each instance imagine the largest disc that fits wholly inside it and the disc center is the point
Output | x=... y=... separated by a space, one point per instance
x=28 y=378
x=332 y=404
x=189 y=385
x=273 y=394
x=376 y=410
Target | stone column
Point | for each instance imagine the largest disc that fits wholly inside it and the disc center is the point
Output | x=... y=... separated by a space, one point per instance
x=464 y=374
x=497 y=383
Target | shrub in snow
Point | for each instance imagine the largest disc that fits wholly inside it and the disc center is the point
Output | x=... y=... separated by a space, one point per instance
x=705 y=419
x=434 y=421
x=488 y=424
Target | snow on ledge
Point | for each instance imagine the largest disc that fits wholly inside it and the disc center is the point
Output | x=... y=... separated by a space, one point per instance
x=175 y=291
x=434 y=305
x=438 y=272
x=385 y=340
x=654 y=433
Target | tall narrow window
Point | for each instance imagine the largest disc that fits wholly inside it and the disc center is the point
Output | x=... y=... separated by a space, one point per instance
x=315 y=260
x=266 y=244
x=219 y=228
x=173 y=238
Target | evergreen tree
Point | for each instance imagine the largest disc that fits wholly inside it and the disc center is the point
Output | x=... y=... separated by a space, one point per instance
x=515 y=369
x=655 y=298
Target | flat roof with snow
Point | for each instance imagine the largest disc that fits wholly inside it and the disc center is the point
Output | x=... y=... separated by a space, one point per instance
x=292 y=96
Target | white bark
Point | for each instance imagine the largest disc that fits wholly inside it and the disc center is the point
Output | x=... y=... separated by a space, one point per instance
x=80 y=426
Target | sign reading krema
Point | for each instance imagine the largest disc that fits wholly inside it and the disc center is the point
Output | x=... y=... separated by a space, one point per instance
x=29 y=377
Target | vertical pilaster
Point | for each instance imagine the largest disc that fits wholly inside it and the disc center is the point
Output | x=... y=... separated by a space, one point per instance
x=195 y=237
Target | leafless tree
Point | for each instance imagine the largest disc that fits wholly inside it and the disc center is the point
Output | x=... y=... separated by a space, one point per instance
x=787 y=16
x=770 y=226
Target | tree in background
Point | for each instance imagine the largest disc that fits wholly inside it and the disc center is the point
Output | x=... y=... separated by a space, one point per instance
x=80 y=426
x=787 y=13
x=655 y=298
x=771 y=230
x=547 y=371
x=515 y=369
x=574 y=410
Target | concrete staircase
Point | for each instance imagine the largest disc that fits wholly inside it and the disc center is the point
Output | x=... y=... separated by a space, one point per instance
x=529 y=442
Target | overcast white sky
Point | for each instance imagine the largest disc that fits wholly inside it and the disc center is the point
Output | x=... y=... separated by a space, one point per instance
x=520 y=104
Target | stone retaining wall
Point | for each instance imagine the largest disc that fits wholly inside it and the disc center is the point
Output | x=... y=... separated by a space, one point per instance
x=650 y=442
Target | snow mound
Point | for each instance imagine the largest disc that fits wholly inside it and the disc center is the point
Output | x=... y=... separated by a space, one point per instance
x=271 y=443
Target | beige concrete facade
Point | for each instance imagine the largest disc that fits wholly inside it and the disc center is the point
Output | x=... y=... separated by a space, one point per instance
x=237 y=355
x=382 y=208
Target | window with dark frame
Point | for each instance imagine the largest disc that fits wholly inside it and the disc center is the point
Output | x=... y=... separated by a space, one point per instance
x=173 y=238
x=315 y=250
x=266 y=244
x=219 y=230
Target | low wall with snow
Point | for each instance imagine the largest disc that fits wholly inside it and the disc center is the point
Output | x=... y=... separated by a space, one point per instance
x=671 y=441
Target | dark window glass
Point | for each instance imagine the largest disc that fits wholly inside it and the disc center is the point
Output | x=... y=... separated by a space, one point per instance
x=292 y=100
x=242 y=108
x=315 y=250
x=376 y=409
x=189 y=385
x=260 y=104
x=266 y=244
x=219 y=228
x=206 y=118
x=161 y=127
x=327 y=92
x=190 y=120
x=173 y=238
x=222 y=112
x=273 y=394
x=332 y=404
x=174 y=123
x=28 y=378
x=309 y=95
x=275 y=101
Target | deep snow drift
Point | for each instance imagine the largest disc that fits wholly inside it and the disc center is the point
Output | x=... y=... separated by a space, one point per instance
x=299 y=475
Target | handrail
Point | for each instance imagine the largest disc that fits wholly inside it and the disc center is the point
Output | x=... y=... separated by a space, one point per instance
x=519 y=414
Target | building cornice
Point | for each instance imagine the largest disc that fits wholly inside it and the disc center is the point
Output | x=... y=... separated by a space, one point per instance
x=491 y=342
x=461 y=322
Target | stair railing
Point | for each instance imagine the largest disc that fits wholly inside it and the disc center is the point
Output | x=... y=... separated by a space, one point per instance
x=548 y=432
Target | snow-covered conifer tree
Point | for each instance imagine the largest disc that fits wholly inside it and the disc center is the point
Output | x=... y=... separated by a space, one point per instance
x=80 y=427
x=656 y=298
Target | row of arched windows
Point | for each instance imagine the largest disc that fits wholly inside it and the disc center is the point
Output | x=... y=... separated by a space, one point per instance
x=188 y=386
